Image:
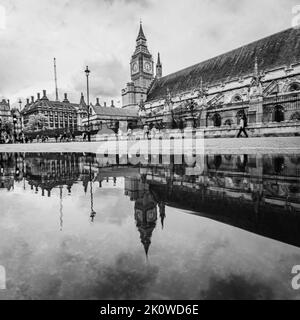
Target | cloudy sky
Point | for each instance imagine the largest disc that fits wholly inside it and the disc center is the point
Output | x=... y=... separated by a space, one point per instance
x=102 y=33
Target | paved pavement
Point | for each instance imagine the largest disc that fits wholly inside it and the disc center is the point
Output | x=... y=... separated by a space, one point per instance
x=274 y=145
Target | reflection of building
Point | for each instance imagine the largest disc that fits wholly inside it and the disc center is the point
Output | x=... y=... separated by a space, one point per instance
x=48 y=171
x=145 y=214
x=257 y=193
x=7 y=171
x=260 y=81
x=11 y=169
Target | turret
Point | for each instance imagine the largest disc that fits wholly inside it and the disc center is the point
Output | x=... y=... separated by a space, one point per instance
x=158 y=67
x=82 y=102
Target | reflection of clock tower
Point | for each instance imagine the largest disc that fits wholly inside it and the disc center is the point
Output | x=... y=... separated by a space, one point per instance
x=142 y=73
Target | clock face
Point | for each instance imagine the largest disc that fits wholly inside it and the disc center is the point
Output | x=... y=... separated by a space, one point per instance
x=134 y=67
x=147 y=66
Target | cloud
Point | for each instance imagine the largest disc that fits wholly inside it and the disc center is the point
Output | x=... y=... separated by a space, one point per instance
x=106 y=78
x=104 y=32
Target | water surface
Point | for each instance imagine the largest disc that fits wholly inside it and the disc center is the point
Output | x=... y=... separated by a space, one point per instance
x=78 y=226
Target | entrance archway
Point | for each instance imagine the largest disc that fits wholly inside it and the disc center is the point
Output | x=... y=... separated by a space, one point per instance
x=217 y=121
x=278 y=114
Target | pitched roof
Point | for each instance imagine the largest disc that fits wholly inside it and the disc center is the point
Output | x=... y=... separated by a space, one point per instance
x=116 y=112
x=277 y=50
x=67 y=106
x=50 y=104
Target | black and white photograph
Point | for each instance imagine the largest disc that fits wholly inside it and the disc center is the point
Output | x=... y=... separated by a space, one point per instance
x=149 y=151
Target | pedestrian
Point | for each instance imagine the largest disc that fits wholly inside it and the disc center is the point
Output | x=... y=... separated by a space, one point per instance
x=242 y=126
x=129 y=133
x=146 y=131
x=153 y=132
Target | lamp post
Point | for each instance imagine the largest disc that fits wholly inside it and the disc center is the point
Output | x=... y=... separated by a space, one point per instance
x=87 y=73
x=21 y=120
x=15 y=122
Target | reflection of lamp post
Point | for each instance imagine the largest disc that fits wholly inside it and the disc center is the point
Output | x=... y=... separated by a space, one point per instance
x=87 y=73
x=61 y=221
x=93 y=213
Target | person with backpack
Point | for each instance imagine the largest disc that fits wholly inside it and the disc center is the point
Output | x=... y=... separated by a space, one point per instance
x=242 y=126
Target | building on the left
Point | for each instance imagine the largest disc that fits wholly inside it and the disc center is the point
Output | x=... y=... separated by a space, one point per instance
x=58 y=115
x=5 y=112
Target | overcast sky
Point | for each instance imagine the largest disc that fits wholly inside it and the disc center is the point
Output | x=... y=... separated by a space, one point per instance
x=102 y=33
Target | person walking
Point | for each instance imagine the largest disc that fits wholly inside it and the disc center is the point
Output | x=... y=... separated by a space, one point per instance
x=146 y=131
x=242 y=126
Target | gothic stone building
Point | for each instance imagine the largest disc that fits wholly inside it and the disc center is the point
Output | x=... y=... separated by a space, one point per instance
x=61 y=115
x=103 y=117
x=260 y=80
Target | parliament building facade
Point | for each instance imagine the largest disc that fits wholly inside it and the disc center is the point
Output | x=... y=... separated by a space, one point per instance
x=260 y=80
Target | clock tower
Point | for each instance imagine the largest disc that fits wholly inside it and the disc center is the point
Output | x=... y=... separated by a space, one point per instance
x=141 y=74
x=141 y=64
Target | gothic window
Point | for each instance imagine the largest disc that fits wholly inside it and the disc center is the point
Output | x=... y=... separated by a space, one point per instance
x=217 y=120
x=295 y=116
x=278 y=115
x=294 y=87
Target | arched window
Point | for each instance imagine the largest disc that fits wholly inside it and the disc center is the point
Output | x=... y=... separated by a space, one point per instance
x=295 y=86
x=217 y=120
x=278 y=114
x=295 y=116
x=228 y=123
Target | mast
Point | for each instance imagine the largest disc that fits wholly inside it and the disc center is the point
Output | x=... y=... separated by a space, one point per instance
x=55 y=78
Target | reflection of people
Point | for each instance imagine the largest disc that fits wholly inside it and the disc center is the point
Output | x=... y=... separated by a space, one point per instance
x=242 y=126
x=242 y=161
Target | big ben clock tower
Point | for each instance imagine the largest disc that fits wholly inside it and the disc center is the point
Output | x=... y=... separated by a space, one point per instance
x=141 y=64
x=141 y=74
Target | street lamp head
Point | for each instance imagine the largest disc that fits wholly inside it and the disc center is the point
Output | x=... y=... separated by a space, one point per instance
x=87 y=71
